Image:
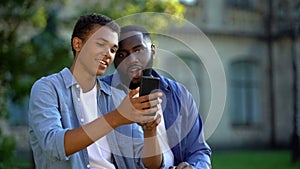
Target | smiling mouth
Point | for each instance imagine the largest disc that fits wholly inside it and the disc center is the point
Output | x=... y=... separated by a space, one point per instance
x=102 y=62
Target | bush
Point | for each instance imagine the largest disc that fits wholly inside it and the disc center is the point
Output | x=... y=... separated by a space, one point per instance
x=7 y=147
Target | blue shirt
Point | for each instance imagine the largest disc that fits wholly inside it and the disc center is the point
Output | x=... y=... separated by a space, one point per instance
x=182 y=121
x=55 y=107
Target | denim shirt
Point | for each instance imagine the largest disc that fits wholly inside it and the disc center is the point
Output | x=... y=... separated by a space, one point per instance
x=182 y=121
x=55 y=107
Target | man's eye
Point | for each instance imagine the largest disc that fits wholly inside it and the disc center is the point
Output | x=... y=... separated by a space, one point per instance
x=120 y=55
x=137 y=50
x=113 y=50
x=100 y=44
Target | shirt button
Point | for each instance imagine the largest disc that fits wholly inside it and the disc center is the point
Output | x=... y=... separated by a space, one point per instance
x=88 y=166
x=77 y=86
x=82 y=120
x=78 y=99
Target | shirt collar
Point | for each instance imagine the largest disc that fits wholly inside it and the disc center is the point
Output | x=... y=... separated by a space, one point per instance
x=70 y=80
x=104 y=87
x=116 y=82
x=163 y=82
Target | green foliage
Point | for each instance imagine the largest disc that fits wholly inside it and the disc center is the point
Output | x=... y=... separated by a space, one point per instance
x=152 y=14
x=7 y=146
x=117 y=9
x=25 y=54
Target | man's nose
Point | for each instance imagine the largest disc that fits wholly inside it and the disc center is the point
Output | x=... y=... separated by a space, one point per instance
x=132 y=58
x=107 y=52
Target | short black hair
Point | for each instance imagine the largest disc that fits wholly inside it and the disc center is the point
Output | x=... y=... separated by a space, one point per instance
x=130 y=28
x=86 y=23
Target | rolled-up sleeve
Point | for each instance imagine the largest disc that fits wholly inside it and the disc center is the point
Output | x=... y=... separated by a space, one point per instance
x=46 y=131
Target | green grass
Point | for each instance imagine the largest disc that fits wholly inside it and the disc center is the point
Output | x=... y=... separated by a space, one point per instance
x=253 y=160
x=227 y=160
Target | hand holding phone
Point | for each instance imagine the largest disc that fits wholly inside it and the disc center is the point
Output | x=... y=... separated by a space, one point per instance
x=149 y=85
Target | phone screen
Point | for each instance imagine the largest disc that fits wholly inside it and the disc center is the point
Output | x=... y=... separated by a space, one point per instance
x=149 y=84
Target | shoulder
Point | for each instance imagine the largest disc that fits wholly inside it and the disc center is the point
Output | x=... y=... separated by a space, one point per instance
x=46 y=81
x=49 y=83
x=173 y=85
x=167 y=82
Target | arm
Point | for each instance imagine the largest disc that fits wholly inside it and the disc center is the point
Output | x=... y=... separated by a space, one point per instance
x=152 y=155
x=197 y=150
x=130 y=110
x=187 y=138
x=79 y=138
x=57 y=140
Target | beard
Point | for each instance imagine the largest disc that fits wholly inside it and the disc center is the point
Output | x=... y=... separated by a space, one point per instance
x=127 y=81
x=134 y=85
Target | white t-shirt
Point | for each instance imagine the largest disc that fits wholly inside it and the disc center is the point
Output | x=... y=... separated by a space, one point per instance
x=99 y=152
x=163 y=141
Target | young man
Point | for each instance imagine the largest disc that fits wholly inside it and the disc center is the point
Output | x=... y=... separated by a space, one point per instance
x=76 y=121
x=184 y=144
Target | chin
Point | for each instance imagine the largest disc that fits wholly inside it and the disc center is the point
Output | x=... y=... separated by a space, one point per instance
x=100 y=73
x=135 y=81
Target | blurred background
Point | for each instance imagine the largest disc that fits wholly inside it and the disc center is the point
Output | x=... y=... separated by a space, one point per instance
x=258 y=42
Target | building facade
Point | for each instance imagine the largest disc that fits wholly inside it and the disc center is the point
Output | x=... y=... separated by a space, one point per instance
x=258 y=43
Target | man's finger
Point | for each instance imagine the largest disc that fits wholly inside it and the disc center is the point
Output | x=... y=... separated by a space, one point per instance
x=184 y=165
x=133 y=92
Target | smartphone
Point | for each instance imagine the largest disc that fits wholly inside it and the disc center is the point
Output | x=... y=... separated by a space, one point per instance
x=149 y=84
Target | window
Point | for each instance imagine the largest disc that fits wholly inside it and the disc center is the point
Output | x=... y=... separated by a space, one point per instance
x=244 y=88
x=296 y=10
x=241 y=4
x=281 y=9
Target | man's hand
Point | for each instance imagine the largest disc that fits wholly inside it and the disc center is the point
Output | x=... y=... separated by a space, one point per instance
x=150 y=126
x=183 y=165
x=138 y=109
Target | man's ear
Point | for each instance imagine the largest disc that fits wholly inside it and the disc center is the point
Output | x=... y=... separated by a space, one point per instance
x=153 y=50
x=77 y=44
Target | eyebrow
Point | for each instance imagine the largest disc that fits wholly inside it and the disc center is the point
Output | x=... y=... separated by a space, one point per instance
x=138 y=46
x=107 y=41
x=135 y=47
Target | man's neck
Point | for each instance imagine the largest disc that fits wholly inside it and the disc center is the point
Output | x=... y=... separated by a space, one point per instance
x=85 y=80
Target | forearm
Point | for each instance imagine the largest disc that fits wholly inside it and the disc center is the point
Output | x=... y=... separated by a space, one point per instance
x=152 y=155
x=80 y=138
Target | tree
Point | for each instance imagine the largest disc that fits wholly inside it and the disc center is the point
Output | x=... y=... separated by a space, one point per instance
x=20 y=20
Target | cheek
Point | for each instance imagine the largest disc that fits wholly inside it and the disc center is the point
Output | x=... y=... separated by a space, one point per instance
x=145 y=60
x=116 y=62
x=121 y=68
x=112 y=59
